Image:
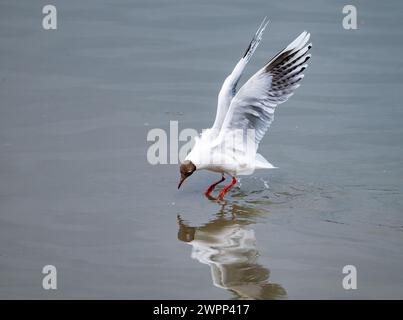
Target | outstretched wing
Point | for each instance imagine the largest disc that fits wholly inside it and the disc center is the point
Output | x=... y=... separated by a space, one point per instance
x=253 y=106
x=228 y=88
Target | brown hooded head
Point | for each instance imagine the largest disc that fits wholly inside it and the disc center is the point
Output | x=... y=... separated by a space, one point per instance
x=186 y=169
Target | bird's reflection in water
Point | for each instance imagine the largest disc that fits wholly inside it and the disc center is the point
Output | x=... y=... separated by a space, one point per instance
x=228 y=245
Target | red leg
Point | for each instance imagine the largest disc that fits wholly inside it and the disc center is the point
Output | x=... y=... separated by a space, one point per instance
x=224 y=191
x=211 y=188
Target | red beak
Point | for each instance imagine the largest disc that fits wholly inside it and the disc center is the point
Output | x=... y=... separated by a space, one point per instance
x=181 y=181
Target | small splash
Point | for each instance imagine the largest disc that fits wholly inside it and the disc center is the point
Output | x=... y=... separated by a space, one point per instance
x=265 y=183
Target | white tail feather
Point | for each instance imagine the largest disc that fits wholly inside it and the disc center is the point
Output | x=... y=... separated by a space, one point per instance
x=262 y=163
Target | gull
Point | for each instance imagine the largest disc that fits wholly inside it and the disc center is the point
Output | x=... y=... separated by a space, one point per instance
x=243 y=117
x=228 y=246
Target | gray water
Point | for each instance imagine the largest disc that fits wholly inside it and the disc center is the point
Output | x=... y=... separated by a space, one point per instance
x=77 y=191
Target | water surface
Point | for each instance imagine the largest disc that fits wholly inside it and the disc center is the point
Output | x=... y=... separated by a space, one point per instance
x=77 y=192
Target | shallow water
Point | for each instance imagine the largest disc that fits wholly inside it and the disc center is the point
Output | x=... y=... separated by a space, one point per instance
x=77 y=192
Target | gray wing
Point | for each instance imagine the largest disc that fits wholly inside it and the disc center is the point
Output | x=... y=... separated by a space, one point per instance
x=228 y=89
x=254 y=104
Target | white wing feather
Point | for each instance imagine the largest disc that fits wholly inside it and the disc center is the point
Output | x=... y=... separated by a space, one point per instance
x=223 y=148
x=253 y=106
x=228 y=88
